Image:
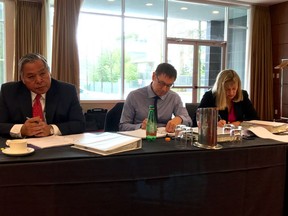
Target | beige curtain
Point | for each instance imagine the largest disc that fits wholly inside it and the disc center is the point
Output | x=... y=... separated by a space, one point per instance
x=30 y=30
x=65 y=62
x=261 y=63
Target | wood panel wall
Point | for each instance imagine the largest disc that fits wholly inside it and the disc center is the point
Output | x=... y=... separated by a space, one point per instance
x=279 y=27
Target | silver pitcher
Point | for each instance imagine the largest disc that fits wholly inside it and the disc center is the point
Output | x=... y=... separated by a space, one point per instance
x=207 y=119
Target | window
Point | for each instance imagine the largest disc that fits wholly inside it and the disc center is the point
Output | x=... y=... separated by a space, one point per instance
x=122 y=42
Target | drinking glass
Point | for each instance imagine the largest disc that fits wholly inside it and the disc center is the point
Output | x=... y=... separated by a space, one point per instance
x=179 y=128
x=236 y=134
x=183 y=136
x=228 y=127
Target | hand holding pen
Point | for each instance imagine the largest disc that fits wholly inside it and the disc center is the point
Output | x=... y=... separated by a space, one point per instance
x=35 y=120
x=35 y=127
x=221 y=122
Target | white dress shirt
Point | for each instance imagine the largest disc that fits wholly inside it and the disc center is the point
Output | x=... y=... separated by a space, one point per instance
x=16 y=129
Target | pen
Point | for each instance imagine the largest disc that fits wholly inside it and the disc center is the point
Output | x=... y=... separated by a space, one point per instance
x=30 y=118
x=219 y=117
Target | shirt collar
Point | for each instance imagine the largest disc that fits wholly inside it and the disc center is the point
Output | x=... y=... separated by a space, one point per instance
x=33 y=95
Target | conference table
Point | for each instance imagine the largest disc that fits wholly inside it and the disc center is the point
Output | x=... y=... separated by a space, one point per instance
x=241 y=179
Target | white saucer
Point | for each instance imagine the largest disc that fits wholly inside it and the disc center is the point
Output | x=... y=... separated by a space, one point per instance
x=8 y=151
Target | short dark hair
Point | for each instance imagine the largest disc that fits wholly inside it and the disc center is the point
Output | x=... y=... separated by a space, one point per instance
x=167 y=69
x=31 y=57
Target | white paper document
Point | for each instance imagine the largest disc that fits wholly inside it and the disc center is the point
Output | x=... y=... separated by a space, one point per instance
x=265 y=134
x=50 y=141
x=273 y=127
x=141 y=133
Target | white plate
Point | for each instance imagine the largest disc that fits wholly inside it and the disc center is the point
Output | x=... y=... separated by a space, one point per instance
x=8 y=151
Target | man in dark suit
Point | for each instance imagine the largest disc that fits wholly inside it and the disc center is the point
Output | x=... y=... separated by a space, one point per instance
x=61 y=112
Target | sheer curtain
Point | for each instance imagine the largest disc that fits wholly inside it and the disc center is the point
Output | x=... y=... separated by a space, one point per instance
x=30 y=33
x=261 y=64
x=65 y=62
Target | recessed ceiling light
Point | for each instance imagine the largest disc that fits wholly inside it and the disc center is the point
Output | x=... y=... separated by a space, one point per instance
x=215 y=12
x=149 y=4
x=184 y=8
x=110 y=0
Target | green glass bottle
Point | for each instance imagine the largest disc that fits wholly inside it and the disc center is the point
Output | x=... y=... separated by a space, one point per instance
x=151 y=126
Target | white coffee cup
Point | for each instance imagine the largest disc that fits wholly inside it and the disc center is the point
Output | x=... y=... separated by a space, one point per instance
x=17 y=145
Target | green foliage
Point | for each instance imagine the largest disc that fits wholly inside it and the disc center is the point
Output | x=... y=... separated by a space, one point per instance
x=108 y=68
x=130 y=70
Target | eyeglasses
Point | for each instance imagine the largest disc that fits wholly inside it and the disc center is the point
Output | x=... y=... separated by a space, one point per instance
x=162 y=83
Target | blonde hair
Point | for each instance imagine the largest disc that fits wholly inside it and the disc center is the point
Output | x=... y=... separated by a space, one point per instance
x=223 y=79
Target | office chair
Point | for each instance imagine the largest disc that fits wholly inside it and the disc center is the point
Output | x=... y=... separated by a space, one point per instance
x=191 y=108
x=113 y=118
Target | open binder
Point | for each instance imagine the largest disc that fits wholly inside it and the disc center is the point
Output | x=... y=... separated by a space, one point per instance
x=107 y=143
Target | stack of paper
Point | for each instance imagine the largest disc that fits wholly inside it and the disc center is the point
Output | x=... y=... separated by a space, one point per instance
x=50 y=141
x=141 y=133
x=265 y=134
x=273 y=127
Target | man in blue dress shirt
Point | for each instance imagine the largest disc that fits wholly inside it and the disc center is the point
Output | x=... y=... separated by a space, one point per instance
x=170 y=109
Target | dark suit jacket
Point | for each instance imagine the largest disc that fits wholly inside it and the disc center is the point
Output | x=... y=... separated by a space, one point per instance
x=62 y=107
x=244 y=110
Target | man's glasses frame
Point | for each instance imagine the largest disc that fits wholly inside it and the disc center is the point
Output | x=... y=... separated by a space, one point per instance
x=162 y=83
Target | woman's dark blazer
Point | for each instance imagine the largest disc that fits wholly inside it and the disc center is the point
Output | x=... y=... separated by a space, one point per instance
x=244 y=109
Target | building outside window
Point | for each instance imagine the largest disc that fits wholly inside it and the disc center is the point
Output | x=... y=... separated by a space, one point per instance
x=121 y=44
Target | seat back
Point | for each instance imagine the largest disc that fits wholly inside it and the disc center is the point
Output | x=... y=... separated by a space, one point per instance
x=192 y=108
x=113 y=118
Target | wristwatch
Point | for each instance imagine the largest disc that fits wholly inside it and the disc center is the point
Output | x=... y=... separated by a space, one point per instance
x=51 y=130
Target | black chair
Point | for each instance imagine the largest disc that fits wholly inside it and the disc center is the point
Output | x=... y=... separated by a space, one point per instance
x=113 y=118
x=191 y=108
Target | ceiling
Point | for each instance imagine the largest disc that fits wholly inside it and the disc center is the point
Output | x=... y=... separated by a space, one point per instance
x=257 y=2
x=195 y=11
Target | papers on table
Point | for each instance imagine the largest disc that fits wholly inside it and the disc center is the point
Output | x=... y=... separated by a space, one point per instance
x=141 y=133
x=101 y=143
x=265 y=134
x=273 y=127
x=50 y=141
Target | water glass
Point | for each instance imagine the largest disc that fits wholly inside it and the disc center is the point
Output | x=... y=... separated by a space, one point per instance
x=236 y=134
x=185 y=138
x=227 y=128
x=178 y=131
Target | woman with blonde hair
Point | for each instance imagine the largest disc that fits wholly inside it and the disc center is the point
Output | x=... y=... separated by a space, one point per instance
x=233 y=103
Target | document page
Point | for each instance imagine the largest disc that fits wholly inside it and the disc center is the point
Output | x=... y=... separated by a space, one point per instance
x=265 y=134
x=50 y=141
x=141 y=133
